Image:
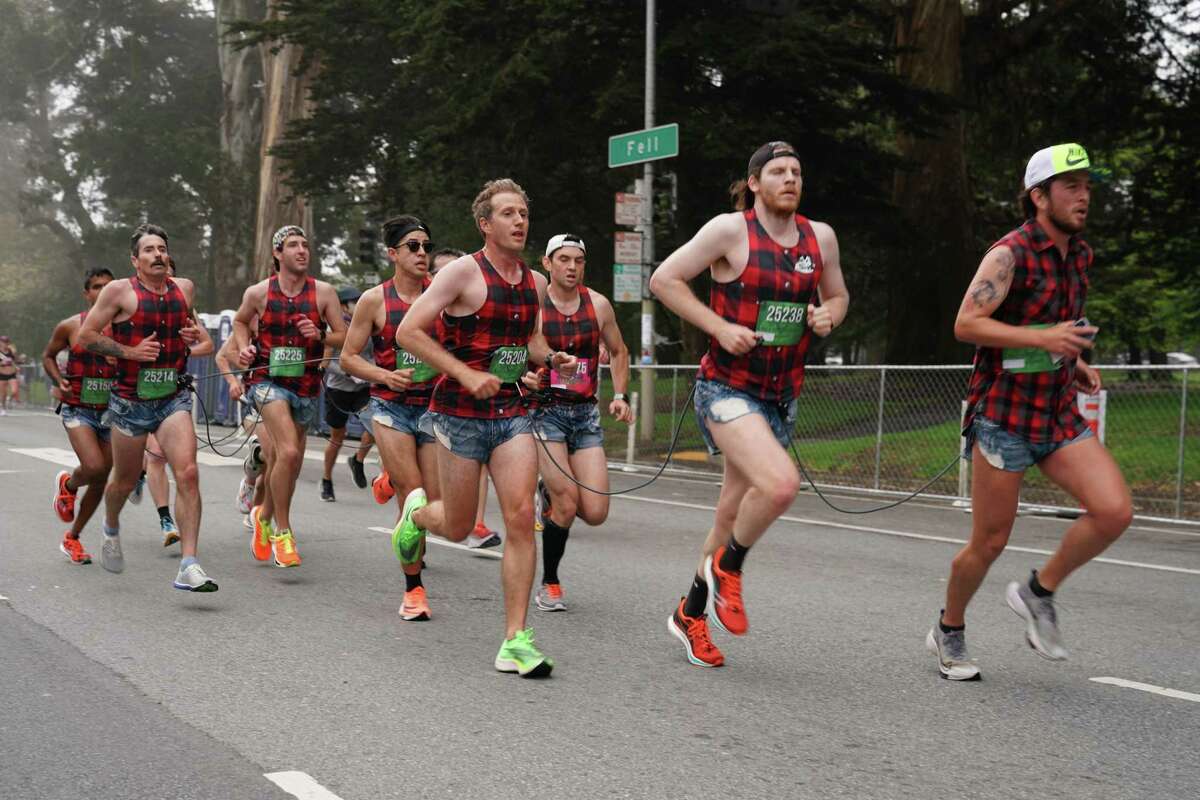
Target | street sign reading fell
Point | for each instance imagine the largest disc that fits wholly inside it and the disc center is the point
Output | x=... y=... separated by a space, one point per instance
x=637 y=147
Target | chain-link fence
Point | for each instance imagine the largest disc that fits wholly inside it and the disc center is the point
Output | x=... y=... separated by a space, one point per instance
x=892 y=428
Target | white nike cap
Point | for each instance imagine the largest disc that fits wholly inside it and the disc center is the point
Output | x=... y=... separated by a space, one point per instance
x=1051 y=161
x=563 y=240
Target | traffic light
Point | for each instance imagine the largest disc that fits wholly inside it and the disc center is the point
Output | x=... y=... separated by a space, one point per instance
x=366 y=246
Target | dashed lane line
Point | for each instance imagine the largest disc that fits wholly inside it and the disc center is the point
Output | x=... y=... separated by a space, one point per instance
x=919 y=536
x=300 y=785
x=1149 y=687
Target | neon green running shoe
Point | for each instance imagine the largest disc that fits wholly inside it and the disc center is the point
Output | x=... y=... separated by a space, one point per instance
x=407 y=537
x=520 y=655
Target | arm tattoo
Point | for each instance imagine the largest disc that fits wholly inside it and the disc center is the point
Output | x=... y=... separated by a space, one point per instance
x=984 y=293
x=107 y=347
x=1004 y=272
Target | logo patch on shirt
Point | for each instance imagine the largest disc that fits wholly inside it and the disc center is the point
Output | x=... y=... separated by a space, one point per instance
x=804 y=264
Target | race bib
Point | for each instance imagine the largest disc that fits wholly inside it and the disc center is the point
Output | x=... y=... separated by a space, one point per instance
x=780 y=323
x=1030 y=359
x=422 y=372
x=579 y=382
x=155 y=383
x=509 y=363
x=95 y=391
x=286 y=362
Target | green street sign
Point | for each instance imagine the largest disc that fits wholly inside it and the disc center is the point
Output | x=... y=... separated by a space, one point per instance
x=637 y=147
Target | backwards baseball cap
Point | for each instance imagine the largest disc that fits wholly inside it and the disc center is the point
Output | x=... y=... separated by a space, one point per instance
x=283 y=233
x=348 y=294
x=1051 y=161
x=767 y=152
x=564 y=240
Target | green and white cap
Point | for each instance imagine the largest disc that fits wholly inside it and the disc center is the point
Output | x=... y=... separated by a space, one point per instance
x=1051 y=161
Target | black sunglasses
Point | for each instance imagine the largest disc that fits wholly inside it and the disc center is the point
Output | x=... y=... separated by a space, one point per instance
x=413 y=246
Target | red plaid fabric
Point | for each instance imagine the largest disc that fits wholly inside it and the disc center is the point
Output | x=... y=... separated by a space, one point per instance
x=577 y=334
x=773 y=272
x=163 y=314
x=83 y=363
x=277 y=328
x=384 y=344
x=508 y=317
x=1046 y=288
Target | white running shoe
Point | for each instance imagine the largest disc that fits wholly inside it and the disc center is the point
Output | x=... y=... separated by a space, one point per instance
x=110 y=554
x=245 y=495
x=192 y=579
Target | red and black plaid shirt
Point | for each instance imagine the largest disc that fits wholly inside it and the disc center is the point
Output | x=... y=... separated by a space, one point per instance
x=163 y=314
x=1046 y=288
x=507 y=317
x=83 y=363
x=579 y=335
x=384 y=343
x=773 y=272
x=277 y=328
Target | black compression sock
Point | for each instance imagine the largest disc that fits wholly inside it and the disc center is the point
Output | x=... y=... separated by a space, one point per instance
x=1037 y=589
x=554 y=544
x=949 y=628
x=697 y=598
x=412 y=581
x=164 y=512
x=731 y=559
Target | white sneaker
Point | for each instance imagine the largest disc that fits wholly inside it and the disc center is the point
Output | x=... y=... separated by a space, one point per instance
x=110 y=554
x=192 y=579
x=245 y=495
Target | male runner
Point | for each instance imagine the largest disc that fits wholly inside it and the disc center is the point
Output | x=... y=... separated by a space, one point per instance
x=768 y=265
x=152 y=329
x=344 y=395
x=1023 y=312
x=488 y=303
x=10 y=378
x=292 y=309
x=576 y=320
x=400 y=387
x=84 y=393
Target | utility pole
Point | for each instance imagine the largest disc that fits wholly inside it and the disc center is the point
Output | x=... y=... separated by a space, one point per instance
x=646 y=412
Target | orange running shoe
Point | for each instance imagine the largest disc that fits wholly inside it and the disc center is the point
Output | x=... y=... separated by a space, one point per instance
x=693 y=632
x=283 y=547
x=416 y=606
x=382 y=488
x=260 y=540
x=73 y=549
x=64 y=498
x=725 y=596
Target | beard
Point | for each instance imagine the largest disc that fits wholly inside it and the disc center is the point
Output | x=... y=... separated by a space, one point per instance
x=777 y=204
x=1065 y=222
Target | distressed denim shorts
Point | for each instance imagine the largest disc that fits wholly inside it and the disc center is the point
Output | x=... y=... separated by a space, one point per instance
x=1007 y=451
x=139 y=417
x=718 y=402
x=400 y=417
x=475 y=439
x=75 y=416
x=576 y=424
x=304 y=409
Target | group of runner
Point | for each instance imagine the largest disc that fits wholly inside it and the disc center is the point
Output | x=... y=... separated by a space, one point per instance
x=455 y=374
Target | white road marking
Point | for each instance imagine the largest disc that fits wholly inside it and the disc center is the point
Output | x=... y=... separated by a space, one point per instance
x=920 y=536
x=11 y=471
x=213 y=460
x=478 y=551
x=55 y=455
x=2 y=597
x=1149 y=687
x=300 y=785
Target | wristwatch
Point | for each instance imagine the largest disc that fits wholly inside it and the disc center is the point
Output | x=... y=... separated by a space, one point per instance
x=620 y=396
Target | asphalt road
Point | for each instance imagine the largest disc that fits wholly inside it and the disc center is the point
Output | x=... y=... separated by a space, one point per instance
x=118 y=686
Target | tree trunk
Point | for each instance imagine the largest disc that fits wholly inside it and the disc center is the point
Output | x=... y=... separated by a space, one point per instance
x=233 y=260
x=929 y=277
x=286 y=95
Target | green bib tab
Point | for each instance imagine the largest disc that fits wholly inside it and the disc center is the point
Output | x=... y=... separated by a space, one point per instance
x=780 y=323
x=1030 y=359
x=422 y=372
x=509 y=363
x=95 y=391
x=155 y=383
x=286 y=362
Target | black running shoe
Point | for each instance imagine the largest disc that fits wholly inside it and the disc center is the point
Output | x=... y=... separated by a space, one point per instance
x=327 y=490
x=356 y=470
